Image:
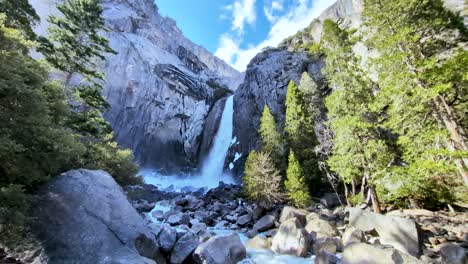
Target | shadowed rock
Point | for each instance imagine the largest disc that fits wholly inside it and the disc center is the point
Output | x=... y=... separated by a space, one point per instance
x=82 y=216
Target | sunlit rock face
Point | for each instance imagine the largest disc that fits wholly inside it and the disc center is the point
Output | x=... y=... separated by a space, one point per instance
x=160 y=85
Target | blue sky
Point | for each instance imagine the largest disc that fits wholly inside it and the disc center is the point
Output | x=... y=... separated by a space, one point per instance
x=236 y=30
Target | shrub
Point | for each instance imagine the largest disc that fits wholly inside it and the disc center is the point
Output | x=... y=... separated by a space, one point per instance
x=262 y=181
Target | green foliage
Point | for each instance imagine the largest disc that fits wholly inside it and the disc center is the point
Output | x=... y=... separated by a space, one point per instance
x=295 y=183
x=106 y=155
x=356 y=199
x=422 y=76
x=32 y=111
x=312 y=96
x=359 y=149
x=14 y=205
x=272 y=141
x=20 y=15
x=262 y=181
x=75 y=44
x=300 y=135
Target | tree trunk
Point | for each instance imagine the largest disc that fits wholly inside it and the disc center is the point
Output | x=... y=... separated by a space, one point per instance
x=457 y=141
x=374 y=199
x=346 y=193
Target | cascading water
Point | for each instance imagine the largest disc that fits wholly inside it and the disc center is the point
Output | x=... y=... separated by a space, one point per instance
x=212 y=168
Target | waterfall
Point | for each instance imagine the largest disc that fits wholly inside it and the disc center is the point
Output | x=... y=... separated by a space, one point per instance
x=212 y=168
x=213 y=165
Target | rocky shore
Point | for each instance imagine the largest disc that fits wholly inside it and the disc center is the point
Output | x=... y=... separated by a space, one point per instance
x=325 y=232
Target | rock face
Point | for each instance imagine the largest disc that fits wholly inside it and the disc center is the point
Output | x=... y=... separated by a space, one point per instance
x=266 y=81
x=83 y=216
x=160 y=85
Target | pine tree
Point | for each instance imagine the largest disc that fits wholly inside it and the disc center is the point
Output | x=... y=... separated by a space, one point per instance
x=301 y=136
x=271 y=139
x=20 y=15
x=76 y=46
x=359 y=151
x=262 y=181
x=312 y=96
x=34 y=143
x=295 y=184
x=422 y=76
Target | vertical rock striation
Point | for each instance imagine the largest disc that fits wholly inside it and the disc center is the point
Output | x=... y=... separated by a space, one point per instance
x=160 y=85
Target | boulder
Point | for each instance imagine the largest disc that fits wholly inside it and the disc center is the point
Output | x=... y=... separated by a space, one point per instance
x=221 y=249
x=401 y=233
x=361 y=253
x=178 y=219
x=83 y=216
x=264 y=223
x=167 y=238
x=291 y=239
x=320 y=228
x=184 y=247
x=258 y=242
x=198 y=227
x=325 y=244
x=324 y=257
x=244 y=220
x=353 y=235
x=453 y=254
x=291 y=212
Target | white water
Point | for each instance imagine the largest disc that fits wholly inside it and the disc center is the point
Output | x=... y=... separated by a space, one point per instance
x=212 y=168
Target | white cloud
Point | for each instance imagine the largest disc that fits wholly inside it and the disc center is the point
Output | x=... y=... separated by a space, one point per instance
x=299 y=16
x=276 y=5
x=243 y=12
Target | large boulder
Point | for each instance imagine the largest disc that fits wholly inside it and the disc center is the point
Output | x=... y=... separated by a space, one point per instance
x=221 y=249
x=291 y=212
x=353 y=235
x=291 y=239
x=361 y=253
x=184 y=247
x=320 y=228
x=167 y=238
x=258 y=242
x=264 y=223
x=401 y=233
x=82 y=216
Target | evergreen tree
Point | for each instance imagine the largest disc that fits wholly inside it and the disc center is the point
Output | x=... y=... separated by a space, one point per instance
x=295 y=184
x=20 y=15
x=312 y=96
x=301 y=136
x=75 y=46
x=271 y=139
x=262 y=181
x=358 y=152
x=35 y=144
x=422 y=76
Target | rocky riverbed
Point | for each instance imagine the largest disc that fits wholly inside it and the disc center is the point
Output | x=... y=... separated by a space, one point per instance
x=323 y=233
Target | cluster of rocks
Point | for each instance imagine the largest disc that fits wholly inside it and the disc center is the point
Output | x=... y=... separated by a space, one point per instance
x=339 y=235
